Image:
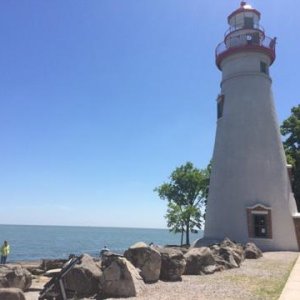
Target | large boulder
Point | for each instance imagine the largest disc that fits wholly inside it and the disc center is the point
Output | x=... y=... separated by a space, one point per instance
x=252 y=251
x=183 y=248
x=11 y=294
x=199 y=261
x=172 y=264
x=238 y=250
x=120 y=278
x=84 y=277
x=147 y=259
x=14 y=276
x=226 y=258
x=228 y=254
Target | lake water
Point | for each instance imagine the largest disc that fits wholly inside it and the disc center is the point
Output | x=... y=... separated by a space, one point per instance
x=30 y=242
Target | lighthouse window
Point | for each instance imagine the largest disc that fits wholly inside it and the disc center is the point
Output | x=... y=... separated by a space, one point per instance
x=259 y=219
x=249 y=23
x=264 y=68
x=260 y=225
x=255 y=38
x=220 y=106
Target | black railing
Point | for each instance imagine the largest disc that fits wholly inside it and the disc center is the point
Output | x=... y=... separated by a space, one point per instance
x=242 y=27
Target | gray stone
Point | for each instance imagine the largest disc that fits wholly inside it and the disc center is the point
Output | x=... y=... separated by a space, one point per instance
x=120 y=278
x=36 y=271
x=227 y=258
x=14 y=276
x=183 y=248
x=199 y=261
x=228 y=254
x=252 y=251
x=210 y=269
x=147 y=259
x=84 y=277
x=11 y=294
x=172 y=264
x=238 y=250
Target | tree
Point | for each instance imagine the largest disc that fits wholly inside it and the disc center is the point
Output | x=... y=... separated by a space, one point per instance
x=291 y=130
x=186 y=195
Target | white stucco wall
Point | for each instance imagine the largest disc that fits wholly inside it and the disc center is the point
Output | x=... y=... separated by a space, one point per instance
x=249 y=165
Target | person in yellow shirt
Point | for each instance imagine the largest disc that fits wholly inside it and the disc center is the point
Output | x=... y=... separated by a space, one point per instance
x=5 y=249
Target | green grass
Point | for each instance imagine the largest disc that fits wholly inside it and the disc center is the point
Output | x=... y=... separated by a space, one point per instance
x=272 y=288
x=262 y=287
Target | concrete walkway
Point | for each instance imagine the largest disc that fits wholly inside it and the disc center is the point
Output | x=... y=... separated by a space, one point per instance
x=291 y=290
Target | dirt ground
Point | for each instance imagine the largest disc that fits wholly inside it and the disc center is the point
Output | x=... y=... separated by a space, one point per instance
x=259 y=279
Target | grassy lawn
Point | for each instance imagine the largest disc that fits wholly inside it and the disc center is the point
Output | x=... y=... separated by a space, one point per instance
x=266 y=279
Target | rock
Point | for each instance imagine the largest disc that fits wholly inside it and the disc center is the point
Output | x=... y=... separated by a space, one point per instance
x=84 y=277
x=238 y=250
x=49 y=264
x=199 y=261
x=172 y=264
x=228 y=243
x=108 y=258
x=52 y=272
x=227 y=258
x=147 y=259
x=183 y=248
x=36 y=271
x=11 y=294
x=33 y=267
x=120 y=278
x=228 y=254
x=14 y=276
x=210 y=269
x=252 y=251
x=30 y=265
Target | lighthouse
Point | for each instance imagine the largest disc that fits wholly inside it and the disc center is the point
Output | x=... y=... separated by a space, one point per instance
x=250 y=197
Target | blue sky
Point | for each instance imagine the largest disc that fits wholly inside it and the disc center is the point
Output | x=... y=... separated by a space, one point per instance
x=101 y=100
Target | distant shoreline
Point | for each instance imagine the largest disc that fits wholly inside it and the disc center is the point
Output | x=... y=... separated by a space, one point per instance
x=35 y=242
x=86 y=226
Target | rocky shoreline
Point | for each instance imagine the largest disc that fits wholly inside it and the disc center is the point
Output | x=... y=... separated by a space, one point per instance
x=116 y=276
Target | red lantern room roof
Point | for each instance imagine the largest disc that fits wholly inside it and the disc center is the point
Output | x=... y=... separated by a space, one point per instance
x=243 y=8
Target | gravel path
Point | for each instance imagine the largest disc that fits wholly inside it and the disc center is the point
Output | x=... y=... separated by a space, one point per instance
x=259 y=279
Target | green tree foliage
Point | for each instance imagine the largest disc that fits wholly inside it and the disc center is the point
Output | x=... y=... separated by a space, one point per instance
x=186 y=195
x=291 y=130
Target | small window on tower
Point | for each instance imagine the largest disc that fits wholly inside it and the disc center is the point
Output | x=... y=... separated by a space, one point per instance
x=259 y=219
x=220 y=106
x=255 y=38
x=264 y=68
x=260 y=226
x=249 y=23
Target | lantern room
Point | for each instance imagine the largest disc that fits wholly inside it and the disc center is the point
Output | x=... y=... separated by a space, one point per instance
x=245 y=34
x=244 y=17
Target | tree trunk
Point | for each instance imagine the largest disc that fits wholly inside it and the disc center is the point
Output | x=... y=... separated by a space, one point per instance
x=181 y=241
x=187 y=233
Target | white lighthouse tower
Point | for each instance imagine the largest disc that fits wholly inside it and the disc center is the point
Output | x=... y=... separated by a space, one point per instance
x=250 y=196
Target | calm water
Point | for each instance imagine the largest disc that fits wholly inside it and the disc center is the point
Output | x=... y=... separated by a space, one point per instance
x=35 y=242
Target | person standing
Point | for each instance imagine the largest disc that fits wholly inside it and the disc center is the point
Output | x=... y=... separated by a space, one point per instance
x=5 y=249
